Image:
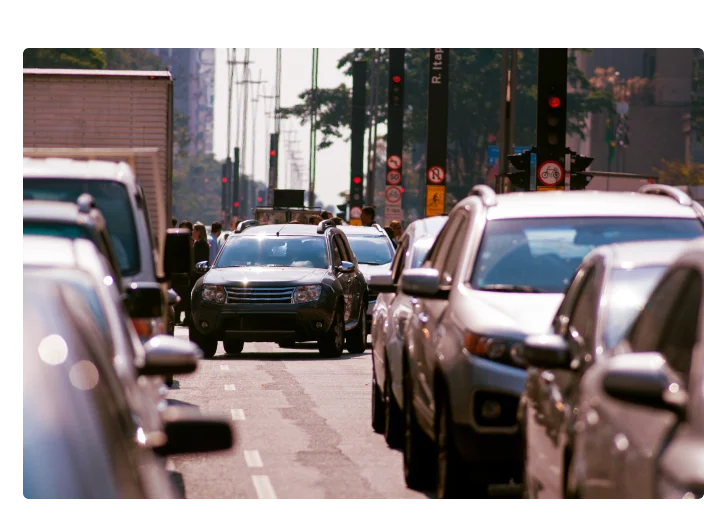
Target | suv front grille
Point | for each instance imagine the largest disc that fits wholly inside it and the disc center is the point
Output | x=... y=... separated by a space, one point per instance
x=259 y=295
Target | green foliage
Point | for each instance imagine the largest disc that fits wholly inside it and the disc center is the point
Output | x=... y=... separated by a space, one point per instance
x=182 y=136
x=698 y=95
x=676 y=173
x=132 y=59
x=196 y=188
x=71 y=58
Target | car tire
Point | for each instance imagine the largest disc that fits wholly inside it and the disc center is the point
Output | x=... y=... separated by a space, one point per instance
x=417 y=447
x=207 y=344
x=393 y=418
x=377 y=405
x=233 y=346
x=357 y=337
x=332 y=343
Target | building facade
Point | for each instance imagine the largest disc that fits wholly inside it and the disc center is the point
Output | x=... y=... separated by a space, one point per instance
x=193 y=70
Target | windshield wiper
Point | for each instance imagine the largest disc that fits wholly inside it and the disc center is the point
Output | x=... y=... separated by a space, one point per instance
x=511 y=288
x=370 y=263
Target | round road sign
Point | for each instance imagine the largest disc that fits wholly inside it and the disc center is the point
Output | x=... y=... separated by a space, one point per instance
x=436 y=174
x=393 y=195
x=393 y=177
x=356 y=212
x=550 y=173
x=394 y=162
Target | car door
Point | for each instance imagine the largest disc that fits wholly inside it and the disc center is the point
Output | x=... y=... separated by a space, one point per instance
x=346 y=279
x=609 y=427
x=358 y=286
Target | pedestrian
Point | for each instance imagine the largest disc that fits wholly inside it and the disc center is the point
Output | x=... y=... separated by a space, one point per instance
x=338 y=221
x=215 y=230
x=185 y=224
x=184 y=290
x=390 y=233
x=326 y=215
x=174 y=221
x=315 y=220
x=398 y=230
x=200 y=243
x=368 y=214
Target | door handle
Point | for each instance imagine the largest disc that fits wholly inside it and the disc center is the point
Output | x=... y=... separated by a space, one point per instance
x=423 y=318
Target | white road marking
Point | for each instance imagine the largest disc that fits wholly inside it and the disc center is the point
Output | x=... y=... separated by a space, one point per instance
x=263 y=486
x=224 y=367
x=229 y=387
x=237 y=414
x=253 y=459
x=170 y=466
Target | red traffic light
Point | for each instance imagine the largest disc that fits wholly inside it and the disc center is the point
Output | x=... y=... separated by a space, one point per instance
x=237 y=204
x=272 y=153
x=554 y=101
x=259 y=199
x=224 y=180
x=396 y=78
x=357 y=180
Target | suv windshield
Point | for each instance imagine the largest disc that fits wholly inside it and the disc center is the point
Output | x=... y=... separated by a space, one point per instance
x=541 y=254
x=112 y=200
x=374 y=250
x=70 y=231
x=286 y=251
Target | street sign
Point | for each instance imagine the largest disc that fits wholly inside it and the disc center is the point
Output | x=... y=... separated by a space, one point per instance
x=550 y=188
x=550 y=173
x=436 y=175
x=393 y=177
x=392 y=212
x=492 y=154
x=356 y=212
x=394 y=162
x=355 y=222
x=393 y=195
x=435 y=200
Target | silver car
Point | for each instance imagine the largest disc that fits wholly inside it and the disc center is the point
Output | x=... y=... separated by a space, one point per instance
x=497 y=273
x=388 y=321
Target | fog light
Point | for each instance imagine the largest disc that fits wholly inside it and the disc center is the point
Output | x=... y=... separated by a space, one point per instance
x=318 y=324
x=491 y=409
x=204 y=324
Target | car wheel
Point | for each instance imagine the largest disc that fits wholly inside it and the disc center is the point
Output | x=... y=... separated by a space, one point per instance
x=208 y=345
x=393 y=419
x=357 y=337
x=331 y=344
x=233 y=346
x=377 y=405
x=417 y=448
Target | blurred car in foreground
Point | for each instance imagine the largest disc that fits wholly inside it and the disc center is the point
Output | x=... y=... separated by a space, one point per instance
x=640 y=430
x=388 y=321
x=81 y=438
x=607 y=293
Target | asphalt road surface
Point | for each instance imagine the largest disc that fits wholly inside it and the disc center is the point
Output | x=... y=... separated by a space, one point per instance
x=303 y=427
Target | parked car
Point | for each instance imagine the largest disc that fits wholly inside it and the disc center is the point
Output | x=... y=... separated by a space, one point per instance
x=496 y=274
x=607 y=292
x=388 y=321
x=281 y=283
x=82 y=437
x=641 y=421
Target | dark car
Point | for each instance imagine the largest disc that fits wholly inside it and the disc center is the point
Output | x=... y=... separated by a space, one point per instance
x=281 y=283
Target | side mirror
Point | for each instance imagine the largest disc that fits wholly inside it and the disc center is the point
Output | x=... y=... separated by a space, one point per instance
x=202 y=266
x=423 y=282
x=144 y=300
x=188 y=431
x=345 y=267
x=178 y=257
x=382 y=283
x=173 y=297
x=546 y=352
x=644 y=379
x=167 y=355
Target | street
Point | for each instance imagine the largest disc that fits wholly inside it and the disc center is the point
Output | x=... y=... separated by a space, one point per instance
x=303 y=427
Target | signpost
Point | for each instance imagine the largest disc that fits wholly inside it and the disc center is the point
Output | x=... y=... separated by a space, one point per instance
x=436 y=156
x=393 y=210
x=359 y=79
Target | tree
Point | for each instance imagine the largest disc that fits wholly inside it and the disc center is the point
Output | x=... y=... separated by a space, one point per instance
x=197 y=188
x=132 y=59
x=71 y=58
x=676 y=173
x=182 y=135
x=475 y=76
x=698 y=95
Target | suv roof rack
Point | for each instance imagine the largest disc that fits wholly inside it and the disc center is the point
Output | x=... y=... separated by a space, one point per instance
x=678 y=195
x=486 y=193
x=381 y=229
x=325 y=224
x=245 y=224
x=86 y=203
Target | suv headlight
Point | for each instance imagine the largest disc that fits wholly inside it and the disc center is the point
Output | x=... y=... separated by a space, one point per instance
x=304 y=294
x=214 y=294
x=503 y=350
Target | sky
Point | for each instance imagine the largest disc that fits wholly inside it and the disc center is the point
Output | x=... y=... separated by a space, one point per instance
x=333 y=163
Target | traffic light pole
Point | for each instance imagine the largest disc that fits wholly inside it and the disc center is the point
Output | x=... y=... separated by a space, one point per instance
x=508 y=114
x=436 y=155
x=393 y=196
x=359 y=80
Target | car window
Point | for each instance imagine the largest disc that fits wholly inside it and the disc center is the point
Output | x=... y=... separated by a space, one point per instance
x=374 y=250
x=444 y=241
x=562 y=316
x=449 y=266
x=541 y=254
x=420 y=250
x=583 y=319
x=399 y=259
x=113 y=201
x=282 y=251
x=345 y=250
x=70 y=231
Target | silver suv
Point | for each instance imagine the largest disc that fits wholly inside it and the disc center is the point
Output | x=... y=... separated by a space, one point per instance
x=497 y=273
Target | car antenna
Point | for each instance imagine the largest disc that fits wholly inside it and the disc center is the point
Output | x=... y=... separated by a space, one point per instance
x=279 y=231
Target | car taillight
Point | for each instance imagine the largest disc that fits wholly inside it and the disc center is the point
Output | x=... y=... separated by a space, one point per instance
x=147 y=328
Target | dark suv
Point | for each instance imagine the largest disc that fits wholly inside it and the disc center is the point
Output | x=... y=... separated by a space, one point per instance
x=281 y=283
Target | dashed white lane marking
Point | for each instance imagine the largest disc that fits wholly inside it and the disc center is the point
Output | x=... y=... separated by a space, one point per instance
x=224 y=367
x=253 y=459
x=263 y=486
x=170 y=466
x=229 y=387
x=237 y=414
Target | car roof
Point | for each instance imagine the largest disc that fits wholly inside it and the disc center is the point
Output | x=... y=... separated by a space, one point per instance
x=430 y=226
x=49 y=210
x=63 y=168
x=629 y=255
x=362 y=230
x=571 y=204
x=55 y=252
x=282 y=229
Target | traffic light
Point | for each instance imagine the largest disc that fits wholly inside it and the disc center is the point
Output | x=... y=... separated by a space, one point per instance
x=224 y=201
x=552 y=105
x=520 y=180
x=578 y=180
x=273 y=159
x=342 y=210
x=261 y=197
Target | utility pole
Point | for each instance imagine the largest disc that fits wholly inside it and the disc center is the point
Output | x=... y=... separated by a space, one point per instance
x=507 y=121
x=369 y=191
x=255 y=100
x=274 y=164
x=359 y=86
x=227 y=168
x=313 y=126
x=436 y=149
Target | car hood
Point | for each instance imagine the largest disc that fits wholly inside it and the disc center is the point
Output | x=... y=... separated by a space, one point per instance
x=369 y=270
x=512 y=313
x=254 y=275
